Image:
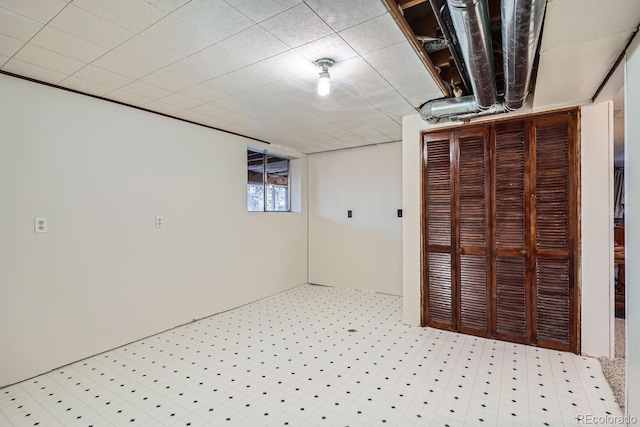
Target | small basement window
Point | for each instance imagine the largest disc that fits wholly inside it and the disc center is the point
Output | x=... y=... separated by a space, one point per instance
x=267 y=182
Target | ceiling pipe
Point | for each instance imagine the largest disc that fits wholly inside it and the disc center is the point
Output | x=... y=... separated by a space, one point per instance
x=471 y=23
x=522 y=24
x=521 y=27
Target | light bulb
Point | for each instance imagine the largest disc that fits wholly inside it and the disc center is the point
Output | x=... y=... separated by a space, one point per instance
x=324 y=84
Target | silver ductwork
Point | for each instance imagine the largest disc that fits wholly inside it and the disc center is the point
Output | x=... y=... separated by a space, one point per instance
x=471 y=21
x=521 y=25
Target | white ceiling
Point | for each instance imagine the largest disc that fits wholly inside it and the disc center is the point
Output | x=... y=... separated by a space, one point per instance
x=581 y=41
x=246 y=66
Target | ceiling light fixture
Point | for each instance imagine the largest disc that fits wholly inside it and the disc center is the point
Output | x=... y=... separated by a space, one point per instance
x=324 y=83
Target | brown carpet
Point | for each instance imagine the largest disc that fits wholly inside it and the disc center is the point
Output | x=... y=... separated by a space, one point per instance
x=614 y=370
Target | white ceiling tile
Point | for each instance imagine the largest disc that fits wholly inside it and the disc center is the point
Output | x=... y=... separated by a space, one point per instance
x=18 y=26
x=134 y=15
x=574 y=72
x=167 y=80
x=3 y=60
x=68 y=45
x=263 y=9
x=399 y=55
x=128 y=98
x=227 y=85
x=149 y=52
x=161 y=107
x=180 y=101
x=353 y=68
x=167 y=6
x=286 y=88
x=256 y=75
x=209 y=110
x=45 y=58
x=214 y=18
x=145 y=90
x=9 y=45
x=327 y=47
x=340 y=14
x=103 y=77
x=22 y=68
x=297 y=26
x=85 y=25
x=124 y=65
x=202 y=93
x=211 y=57
x=85 y=86
x=597 y=19
x=192 y=70
x=177 y=36
x=38 y=10
x=372 y=35
x=255 y=43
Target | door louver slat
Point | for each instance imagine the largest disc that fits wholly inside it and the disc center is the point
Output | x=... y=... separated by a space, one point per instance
x=510 y=169
x=510 y=296
x=552 y=295
x=473 y=292
x=439 y=193
x=472 y=192
x=440 y=287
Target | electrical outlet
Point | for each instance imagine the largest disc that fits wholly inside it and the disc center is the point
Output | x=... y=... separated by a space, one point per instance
x=159 y=222
x=40 y=225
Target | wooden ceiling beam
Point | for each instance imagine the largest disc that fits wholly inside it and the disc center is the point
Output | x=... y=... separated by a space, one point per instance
x=406 y=4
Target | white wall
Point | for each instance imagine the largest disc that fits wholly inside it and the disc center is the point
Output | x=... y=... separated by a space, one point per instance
x=597 y=340
x=597 y=229
x=103 y=275
x=632 y=224
x=365 y=251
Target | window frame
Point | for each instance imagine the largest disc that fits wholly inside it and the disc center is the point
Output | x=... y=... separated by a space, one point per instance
x=265 y=178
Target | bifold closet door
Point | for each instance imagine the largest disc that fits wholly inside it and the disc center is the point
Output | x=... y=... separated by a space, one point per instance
x=470 y=231
x=554 y=224
x=438 y=261
x=511 y=222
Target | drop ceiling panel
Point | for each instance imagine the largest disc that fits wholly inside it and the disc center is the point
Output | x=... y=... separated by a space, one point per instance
x=340 y=14
x=241 y=65
x=33 y=71
x=38 y=10
x=264 y=9
x=253 y=44
x=87 y=26
x=68 y=45
x=134 y=15
x=47 y=59
x=373 y=35
x=213 y=18
x=297 y=26
x=18 y=26
x=9 y=46
x=149 y=52
x=103 y=77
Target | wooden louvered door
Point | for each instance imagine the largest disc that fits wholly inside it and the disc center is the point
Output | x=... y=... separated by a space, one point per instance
x=510 y=225
x=437 y=238
x=554 y=223
x=500 y=230
x=470 y=231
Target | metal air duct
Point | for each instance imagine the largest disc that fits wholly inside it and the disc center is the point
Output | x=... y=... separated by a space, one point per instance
x=521 y=25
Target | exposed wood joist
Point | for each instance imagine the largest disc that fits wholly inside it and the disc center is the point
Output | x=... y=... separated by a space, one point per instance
x=396 y=12
x=406 y=4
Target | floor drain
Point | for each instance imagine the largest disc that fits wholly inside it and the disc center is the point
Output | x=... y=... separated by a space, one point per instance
x=352 y=330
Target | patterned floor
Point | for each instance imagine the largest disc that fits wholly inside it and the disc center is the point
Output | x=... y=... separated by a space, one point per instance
x=314 y=356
